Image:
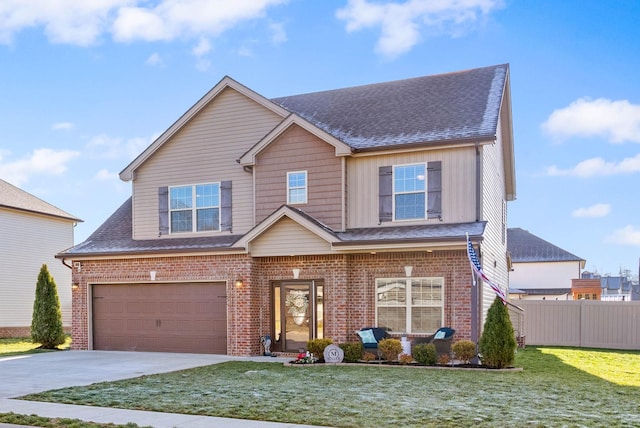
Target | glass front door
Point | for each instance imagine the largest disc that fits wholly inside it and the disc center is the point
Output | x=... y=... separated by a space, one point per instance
x=298 y=314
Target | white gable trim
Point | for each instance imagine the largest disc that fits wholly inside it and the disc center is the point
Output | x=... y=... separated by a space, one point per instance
x=226 y=82
x=249 y=158
x=284 y=211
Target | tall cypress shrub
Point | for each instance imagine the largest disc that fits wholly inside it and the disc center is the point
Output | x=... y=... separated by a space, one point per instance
x=46 y=323
x=497 y=343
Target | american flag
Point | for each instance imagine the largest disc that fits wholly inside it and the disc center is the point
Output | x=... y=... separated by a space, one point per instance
x=477 y=268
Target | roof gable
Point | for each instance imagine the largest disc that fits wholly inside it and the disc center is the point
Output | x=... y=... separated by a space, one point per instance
x=439 y=108
x=14 y=198
x=226 y=82
x=526 y=247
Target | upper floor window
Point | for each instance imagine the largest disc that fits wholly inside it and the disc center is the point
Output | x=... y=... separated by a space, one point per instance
x=195 y=208
x=409 y=192
x=297 y=187
x=410 y=305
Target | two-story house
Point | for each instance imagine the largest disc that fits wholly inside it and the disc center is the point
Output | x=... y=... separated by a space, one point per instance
x=306 y=216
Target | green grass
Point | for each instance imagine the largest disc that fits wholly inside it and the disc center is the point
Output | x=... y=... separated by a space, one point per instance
x=23 y=345
x=38 y=421
x=558 y=387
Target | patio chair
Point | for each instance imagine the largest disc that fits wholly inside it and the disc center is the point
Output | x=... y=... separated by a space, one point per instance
x=442 y=339
x=370 y=337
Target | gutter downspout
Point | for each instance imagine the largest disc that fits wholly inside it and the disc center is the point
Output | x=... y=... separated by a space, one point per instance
x=64 y=263
x=478 y=182
x=476 y=291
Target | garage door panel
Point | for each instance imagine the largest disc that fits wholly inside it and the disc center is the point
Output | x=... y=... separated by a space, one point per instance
x=160 y=317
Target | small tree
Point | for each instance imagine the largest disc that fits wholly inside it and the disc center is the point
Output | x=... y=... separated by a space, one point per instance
x=497 y=343
x=46 y=323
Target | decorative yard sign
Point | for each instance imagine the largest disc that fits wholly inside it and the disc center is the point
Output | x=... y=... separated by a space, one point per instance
x=333 y=354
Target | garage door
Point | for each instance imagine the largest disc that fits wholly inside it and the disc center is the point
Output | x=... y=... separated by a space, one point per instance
x=186 y=317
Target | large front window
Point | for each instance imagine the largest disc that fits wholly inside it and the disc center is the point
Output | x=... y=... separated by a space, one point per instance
x=195 y=208
x=409 y=193
x=410 y=305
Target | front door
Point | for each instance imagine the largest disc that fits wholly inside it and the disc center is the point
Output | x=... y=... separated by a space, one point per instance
x=298 y=308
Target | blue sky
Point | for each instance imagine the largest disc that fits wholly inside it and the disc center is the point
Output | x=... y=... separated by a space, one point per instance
x=86 y=86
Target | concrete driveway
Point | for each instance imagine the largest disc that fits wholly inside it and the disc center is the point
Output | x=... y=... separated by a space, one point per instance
x=27 y=374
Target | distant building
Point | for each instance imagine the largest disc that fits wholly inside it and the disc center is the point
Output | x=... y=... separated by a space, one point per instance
x=540 y=270
x=615 y=288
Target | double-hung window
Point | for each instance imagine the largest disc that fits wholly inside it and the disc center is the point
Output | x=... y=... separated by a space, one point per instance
x=410 y=305
x=195 y=208
x=297 y=187
x=409 y=191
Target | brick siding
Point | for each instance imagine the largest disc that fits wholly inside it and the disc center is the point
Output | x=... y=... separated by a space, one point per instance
x=349 y=288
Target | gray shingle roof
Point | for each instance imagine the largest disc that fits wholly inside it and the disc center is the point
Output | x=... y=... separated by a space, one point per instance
x=15 y=198
x=114 y=236
x=444 y=107
x=527 y=247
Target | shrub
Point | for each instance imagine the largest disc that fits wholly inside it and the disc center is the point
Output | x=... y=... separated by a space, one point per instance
x=46 y=322
x=464 y=350
x=405 y=359
x=352 y=351
x=390 y=348
x=316 y=347
x=425 y=353
x=497 y=343
x=368 y=356
x=444 y=359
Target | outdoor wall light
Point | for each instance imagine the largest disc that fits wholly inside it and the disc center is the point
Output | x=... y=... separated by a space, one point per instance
x=408 y=270
x=239 y=283
x=152 y=274
x=296 y=273
x=75 y=286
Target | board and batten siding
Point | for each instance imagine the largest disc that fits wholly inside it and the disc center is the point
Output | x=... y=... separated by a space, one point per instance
x=298 y=150
x=288 y=238
x=205 y=150
x=458 y=185
x=494 y=244
x=28 y=242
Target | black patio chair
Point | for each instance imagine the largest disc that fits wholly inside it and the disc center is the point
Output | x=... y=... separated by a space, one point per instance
x=442 y=340
x=370 y=337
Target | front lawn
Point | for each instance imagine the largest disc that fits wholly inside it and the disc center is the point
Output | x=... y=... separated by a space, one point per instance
x=23 y=345
x=558 y=387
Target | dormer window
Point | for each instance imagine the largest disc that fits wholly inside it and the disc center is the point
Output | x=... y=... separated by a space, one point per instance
x=297 y=187
x=195 y=208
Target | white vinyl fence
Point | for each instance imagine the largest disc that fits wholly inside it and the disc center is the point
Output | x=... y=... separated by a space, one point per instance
x=581 y=323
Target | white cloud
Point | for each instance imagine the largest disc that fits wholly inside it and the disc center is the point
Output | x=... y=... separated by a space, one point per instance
x=105 y=175
x=155 y=60
x=106 y=147
x=62 y=126
x=171 y=19
x=617 y=121
x=82 y=22
x=628 y=235
x=598 y=167
x=77 y=22
x=597 y=210
x=40 y=162
x=403 y=24
x=202 y=48
x=278 y=33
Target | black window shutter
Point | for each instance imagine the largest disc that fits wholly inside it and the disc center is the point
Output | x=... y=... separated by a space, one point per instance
x=434 y=189
x=385 y=193
x=163 y=210
x=226 y=218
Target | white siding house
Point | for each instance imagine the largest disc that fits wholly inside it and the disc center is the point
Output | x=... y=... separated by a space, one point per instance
x=540 y=270
x=32 y=231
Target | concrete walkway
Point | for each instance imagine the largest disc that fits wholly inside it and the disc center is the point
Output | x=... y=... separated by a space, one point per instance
x=33 y=373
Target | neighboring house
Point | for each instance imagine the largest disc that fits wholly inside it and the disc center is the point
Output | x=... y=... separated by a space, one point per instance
x=33 y=232
x=614 y=288
x=304 y=217
x=540 y=270
x=585 y=288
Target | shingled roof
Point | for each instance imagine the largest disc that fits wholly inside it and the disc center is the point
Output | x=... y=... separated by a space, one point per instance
x=440 y=108
x=527 y=247
x=14 y=198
